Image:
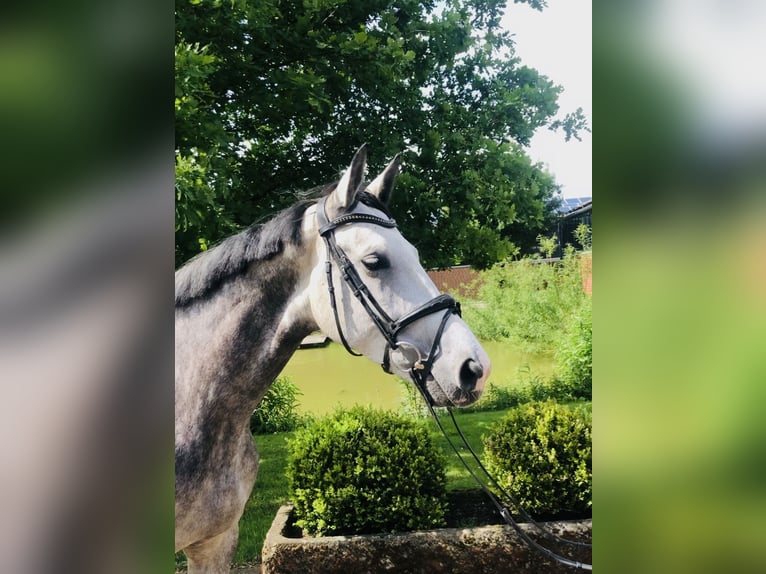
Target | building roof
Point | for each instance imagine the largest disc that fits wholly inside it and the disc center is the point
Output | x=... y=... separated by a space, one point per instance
x=573 y=203
x=577 y=209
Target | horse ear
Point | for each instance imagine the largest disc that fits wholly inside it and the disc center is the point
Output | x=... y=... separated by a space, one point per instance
x=344 y=194
x=382 y=185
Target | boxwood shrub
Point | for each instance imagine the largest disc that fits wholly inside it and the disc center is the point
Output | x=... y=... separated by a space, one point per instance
x=361 y=471
x=541 y=454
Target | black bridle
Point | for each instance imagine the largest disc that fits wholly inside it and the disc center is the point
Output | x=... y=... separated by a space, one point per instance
x=388 y=327
x=420 y=369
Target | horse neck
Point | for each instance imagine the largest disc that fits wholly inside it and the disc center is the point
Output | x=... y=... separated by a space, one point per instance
x=230 y=347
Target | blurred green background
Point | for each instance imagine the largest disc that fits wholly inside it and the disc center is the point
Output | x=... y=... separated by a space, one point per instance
x=680 y=312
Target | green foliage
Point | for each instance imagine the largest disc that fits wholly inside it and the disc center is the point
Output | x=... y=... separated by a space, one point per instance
x=277 y=412
x=572 y=124
x=494 y=398
x=498 y=397
x=575 y=355
x=412 y=402
x=541 y=454
x=362 y=471
x=201 y=140
x=547 y=245
x=584 y=236
x=272 y=97
x=528 y=302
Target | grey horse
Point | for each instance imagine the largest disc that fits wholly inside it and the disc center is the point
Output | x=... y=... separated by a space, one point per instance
x=243 y=307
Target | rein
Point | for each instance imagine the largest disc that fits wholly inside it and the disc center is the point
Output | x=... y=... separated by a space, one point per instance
x=420 y=370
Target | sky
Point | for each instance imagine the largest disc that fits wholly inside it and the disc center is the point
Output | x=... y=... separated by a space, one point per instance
x=557 y=43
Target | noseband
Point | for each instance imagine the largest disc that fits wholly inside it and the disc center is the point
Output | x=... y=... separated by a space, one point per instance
x=388 y=327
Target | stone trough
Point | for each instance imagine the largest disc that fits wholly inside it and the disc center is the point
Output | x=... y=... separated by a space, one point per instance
x=478 y=550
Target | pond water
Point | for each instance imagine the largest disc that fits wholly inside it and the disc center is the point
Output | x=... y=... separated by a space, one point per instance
x=329 y=376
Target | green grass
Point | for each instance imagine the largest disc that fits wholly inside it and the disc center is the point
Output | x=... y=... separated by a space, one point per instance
x=269 y=494
x=473 y=426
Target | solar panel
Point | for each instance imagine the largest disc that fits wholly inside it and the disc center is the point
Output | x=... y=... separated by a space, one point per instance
x=571 y=203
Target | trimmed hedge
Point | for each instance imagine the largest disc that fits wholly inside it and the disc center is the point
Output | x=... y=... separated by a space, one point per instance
x=362 y=471
x=541 y=454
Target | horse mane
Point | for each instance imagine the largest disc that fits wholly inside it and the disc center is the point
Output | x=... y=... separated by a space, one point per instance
x=209 y=270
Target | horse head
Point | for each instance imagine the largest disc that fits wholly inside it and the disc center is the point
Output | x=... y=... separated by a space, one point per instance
x=368 y=290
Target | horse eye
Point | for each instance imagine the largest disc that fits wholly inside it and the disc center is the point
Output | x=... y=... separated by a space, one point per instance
x=375 y=262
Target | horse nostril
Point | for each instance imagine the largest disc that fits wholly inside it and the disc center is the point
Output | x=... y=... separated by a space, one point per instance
x=470 y=373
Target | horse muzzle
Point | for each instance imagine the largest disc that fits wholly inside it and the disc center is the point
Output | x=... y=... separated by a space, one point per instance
x=443 y=381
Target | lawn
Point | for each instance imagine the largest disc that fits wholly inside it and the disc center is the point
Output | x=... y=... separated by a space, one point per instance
x=269 y=494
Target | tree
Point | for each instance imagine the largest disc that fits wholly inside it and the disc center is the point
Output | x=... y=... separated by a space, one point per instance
x=274 y=97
